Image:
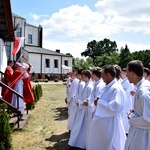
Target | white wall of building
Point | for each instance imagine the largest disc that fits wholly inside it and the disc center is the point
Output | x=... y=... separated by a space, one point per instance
x=35 y=60
x=29 y=29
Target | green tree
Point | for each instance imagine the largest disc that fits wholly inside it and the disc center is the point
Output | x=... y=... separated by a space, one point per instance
x=125 y=56
x=90 y=50
x=144 y=56
x=107 y=59
x=100 y=48
x=84 y=64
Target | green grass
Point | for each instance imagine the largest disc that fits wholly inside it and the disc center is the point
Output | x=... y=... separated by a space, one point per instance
x=47 y=125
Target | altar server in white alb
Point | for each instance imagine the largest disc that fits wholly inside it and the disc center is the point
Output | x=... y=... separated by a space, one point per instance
x=106 y=129
x=80 y=87
x=72 y=89
x=79 y=130
x=128 y=104
x=139 y=132
x=99 y=85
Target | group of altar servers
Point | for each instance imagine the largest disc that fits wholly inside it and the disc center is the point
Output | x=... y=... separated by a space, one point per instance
x=109 y=108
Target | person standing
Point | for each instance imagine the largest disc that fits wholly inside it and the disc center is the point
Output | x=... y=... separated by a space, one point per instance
x=128 y=105
x=72 y=89
x=7 y=75
x=79 y=130
x=106 y=129
x=21 y=84
x=139 y=132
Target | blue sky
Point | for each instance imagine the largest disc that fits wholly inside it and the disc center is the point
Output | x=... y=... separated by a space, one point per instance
x=69 y=25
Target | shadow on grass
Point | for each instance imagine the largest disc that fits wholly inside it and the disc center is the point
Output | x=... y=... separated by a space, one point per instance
x=61 y=142
x=61 y=113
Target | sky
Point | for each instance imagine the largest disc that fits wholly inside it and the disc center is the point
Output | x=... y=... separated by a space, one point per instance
x=69 y=25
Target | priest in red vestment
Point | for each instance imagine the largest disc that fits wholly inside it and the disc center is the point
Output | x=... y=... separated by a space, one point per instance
x=20 y=82
x=7 y=75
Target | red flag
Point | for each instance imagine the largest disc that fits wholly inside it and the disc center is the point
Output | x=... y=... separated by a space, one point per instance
x=17 y=44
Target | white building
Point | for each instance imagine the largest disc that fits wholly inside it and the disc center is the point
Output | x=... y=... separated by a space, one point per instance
x=44 y=61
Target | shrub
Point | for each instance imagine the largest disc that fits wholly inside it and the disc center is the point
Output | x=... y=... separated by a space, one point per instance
x=5 y=129
x=56 y=80
x=41 y=80
x=64 y=80
x=37 y=89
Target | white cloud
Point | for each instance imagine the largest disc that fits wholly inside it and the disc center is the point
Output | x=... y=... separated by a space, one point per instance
x=130 y=15
x=71 y=28
x=132 y=46
x=37 y=17
x=74 y=21
x=74 y=48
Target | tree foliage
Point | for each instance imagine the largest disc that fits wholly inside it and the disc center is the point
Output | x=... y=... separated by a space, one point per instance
x=124 y=57
x=100 y=53
x=100 y=48
x=81 y=63
x=107 y=59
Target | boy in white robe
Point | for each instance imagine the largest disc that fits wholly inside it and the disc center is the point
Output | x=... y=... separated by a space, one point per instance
x=139 y=132
x=79 y=130
x=99 y=85
x=70 y=102
x=81 y=85
x=128 y=105
x=106 y=129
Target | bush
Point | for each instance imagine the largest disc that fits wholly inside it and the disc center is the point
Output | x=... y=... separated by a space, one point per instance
x=64 y=80
x=56 y=80
x=41 y=80
x=5 y=129
x=37 y=89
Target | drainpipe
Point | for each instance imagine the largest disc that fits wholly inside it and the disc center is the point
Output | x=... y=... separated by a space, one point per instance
x=41 y=65
x=61 y=67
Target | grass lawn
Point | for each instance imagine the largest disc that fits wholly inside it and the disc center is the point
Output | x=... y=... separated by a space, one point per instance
x=47 y=126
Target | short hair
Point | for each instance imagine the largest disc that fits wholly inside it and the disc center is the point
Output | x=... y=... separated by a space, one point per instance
x=97 y=71
x=136 y=66
x=87 y=73
x=9 y=61
x=118 y=71
x=79 y=71
x=147 y=71
x=109 y=69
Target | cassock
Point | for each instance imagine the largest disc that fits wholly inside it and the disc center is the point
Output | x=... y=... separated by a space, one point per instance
x=139 y=132
x=79 y=130
x=71 y=103
x=106 y=129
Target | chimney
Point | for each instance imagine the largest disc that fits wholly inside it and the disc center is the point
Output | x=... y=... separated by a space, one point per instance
x=58 y=50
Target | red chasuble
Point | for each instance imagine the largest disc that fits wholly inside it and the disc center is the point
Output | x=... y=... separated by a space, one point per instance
x=7 y=78
x=27 y=89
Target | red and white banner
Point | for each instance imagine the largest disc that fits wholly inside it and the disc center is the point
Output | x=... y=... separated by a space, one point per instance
x=17 y=44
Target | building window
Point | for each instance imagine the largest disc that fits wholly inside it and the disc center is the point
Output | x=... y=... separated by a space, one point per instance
x=30 y=38
x=55 y=63
x=18 y=32
x=47 y=63
x=66 y=62
x=8 y=49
